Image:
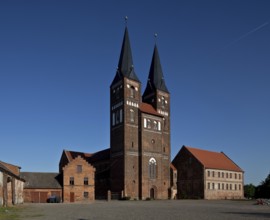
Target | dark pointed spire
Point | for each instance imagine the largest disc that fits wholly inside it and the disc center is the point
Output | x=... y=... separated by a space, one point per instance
x=155 y=78
x=125 y=64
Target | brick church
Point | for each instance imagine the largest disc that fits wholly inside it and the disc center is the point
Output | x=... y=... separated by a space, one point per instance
x=137 y=164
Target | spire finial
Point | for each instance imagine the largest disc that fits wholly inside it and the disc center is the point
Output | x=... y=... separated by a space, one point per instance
x=155 y=37
x=126 y=18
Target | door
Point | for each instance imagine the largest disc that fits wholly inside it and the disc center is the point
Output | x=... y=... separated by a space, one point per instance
x=152 y=193
x=72 y=197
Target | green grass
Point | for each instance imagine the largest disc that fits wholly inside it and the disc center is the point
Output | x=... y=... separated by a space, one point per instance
x=9 y=213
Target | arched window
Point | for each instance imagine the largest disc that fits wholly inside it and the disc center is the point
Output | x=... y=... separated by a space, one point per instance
x=132 y=92
x=132 y=115
x=152 y=168
x=162 y=102
x=155 y=125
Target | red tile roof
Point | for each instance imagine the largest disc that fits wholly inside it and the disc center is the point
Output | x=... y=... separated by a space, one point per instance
x=214 y=160
x=147 y=108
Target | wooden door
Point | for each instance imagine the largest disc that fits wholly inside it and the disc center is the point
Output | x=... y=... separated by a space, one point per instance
x=72 y=197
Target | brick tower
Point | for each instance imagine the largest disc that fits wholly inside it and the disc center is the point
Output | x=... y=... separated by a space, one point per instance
x=140 y=130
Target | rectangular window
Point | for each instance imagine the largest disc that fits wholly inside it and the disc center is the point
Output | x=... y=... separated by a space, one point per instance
x=85 y=181
x=222 y=175
x=223 y=186
x=208 y=173
x=235 y=176
x=213 y=173
x=208 y=185
x=79 y=168
x=71 y=181
x=219 y=186
x=113 y=119
x=213 y=185
x=145 y=122
x=86 y=195
x=239 y=176
x=121 y=115
x=230 y=175
x=218 y=174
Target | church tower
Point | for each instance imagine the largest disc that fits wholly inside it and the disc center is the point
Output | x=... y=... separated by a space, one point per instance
x=155 y=133
x=125 y=98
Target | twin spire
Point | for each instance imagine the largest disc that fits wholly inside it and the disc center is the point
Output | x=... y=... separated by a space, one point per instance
x=126 y=68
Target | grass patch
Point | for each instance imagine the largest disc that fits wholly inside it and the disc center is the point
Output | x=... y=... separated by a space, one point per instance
x=9 y=213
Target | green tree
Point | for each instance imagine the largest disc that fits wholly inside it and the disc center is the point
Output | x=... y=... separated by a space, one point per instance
x=249 y=191
x=263 y=190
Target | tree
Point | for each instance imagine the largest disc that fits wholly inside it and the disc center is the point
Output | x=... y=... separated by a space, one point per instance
x=263 y=190
x=249 y=191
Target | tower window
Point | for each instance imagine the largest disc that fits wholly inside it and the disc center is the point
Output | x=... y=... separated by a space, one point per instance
x=132 y=115
x=149 y=123
x=113 y=119
x=152 y=168
x=132 y=92
x=145 y=122
x=162 y=102
x=159 y=126
x=155 y=125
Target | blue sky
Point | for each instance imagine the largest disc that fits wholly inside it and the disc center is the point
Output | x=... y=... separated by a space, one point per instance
x=58 y=58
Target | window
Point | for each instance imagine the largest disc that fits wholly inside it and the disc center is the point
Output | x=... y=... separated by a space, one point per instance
x=239 y=176
x=230 y=186
x=227 y=186
x=208 y=173
x=208 y=185
x=162 y=102
x=223 y=186
x=235 y=176
x=113 y=119
x=227 y=175
x=240 y=187
x=230 y=175
x=222 y=175
x=132 y=118
x=71 y=181
x=155 y=125
x=159 y=126
x=235 y=187
x=132 y=92
x=149 y=123
x=121 y=115
x=145 y=122
x=85 y=195
x=85 y=181
x=218 y=174
x=79 y=168
x=213 y=173
x=219 y=186
x=213 y=185
x=152 y=168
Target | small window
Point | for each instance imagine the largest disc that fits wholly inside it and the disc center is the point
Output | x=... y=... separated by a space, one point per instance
x=132 y=92
x=113 y=119
x=235 y=187
x=149 y=123
x=159 y=126
x=227 y=175
x=132 y=115
x=155 y=125
x=85 y=181
x=213 y=185
x=235 y=176
x=219 y=186
x=223 y=186
x=121 y=115
x=222 y=175
x=239 y=176
x=213 y=173
x=85 y=195
x=71 y=181
x=162 y=102
x=79 y=168
x=240 y=187
x=208 y=173
x=218 y=174
x=208 y=185
x=230 y=175
x=145 y=122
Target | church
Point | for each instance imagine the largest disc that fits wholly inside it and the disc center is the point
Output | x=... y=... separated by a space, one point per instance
x=137 y=164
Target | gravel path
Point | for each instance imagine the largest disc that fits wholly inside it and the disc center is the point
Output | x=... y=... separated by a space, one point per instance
x=169 y=209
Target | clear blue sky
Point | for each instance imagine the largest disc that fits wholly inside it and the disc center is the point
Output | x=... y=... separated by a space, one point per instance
x=58 y=58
